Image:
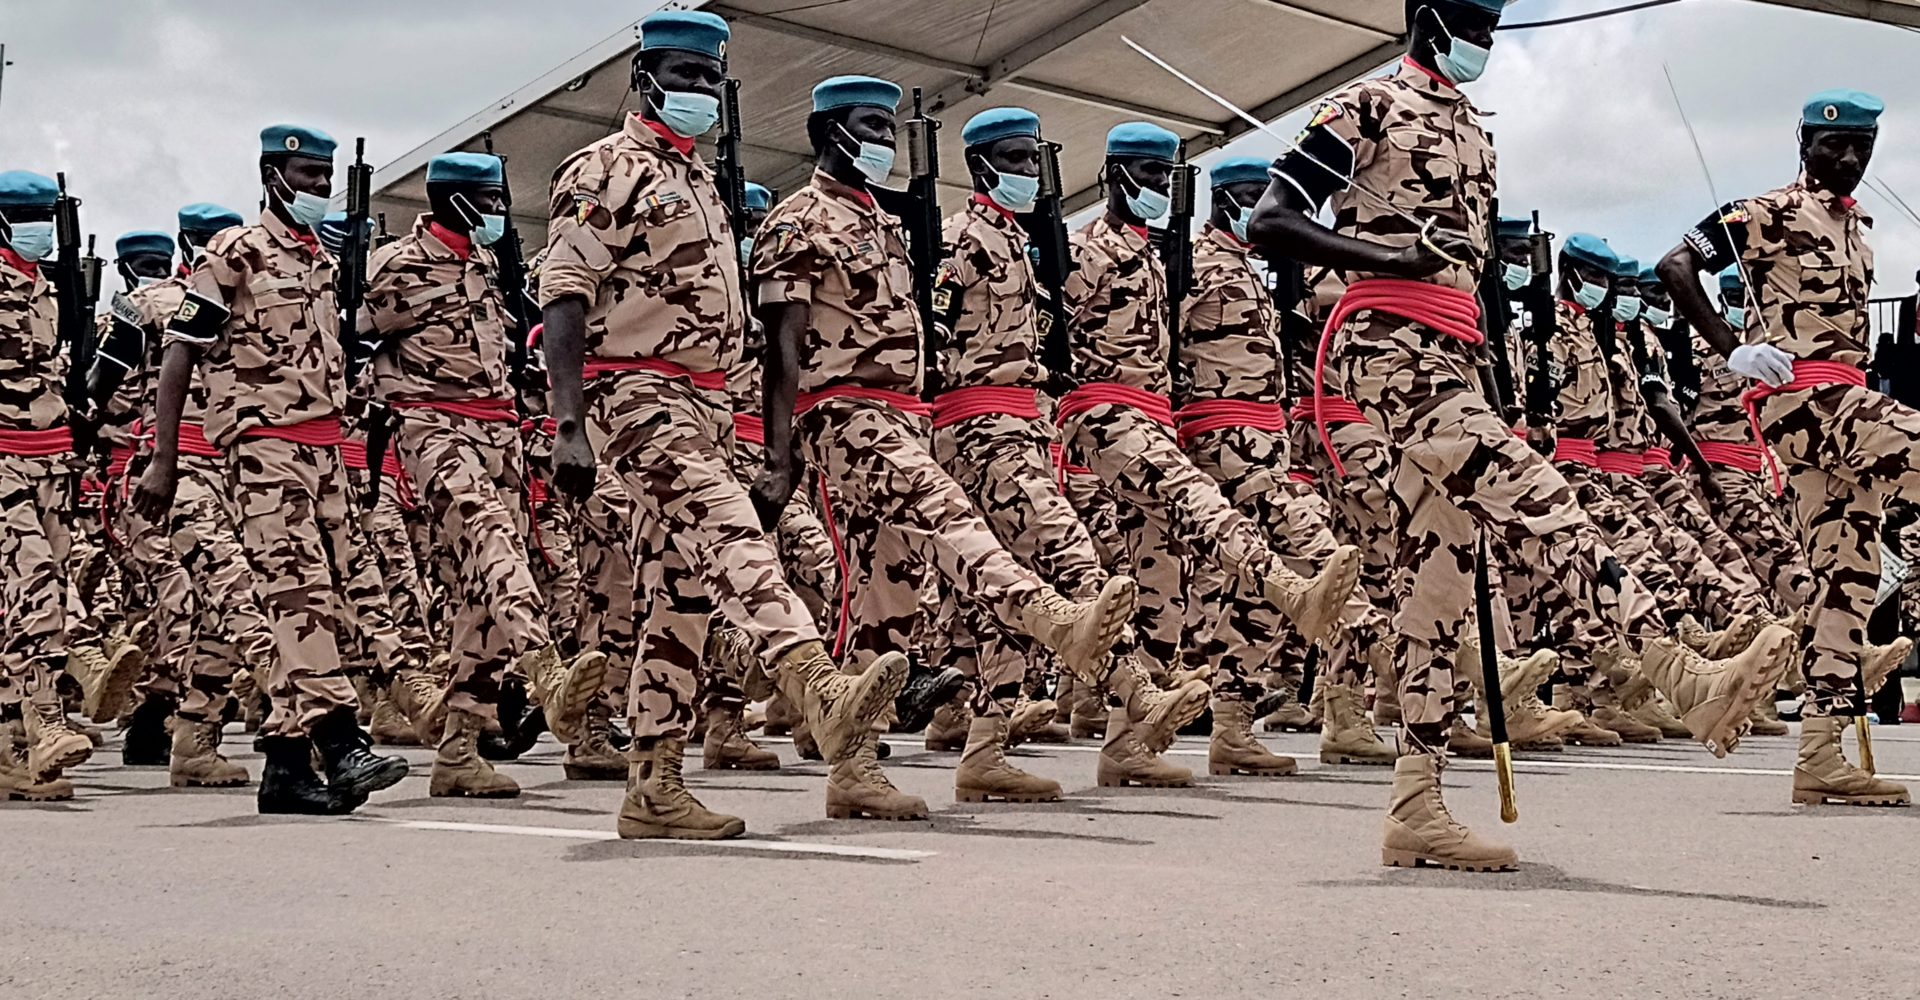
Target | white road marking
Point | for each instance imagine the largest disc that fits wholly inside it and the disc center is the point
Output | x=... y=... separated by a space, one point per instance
x=575 y=833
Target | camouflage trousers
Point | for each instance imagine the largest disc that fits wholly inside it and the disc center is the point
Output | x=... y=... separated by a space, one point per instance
x=467 y=475
x=376 y=646
x=813 y=570
x=904 y=526
x=604 y=583
x=36 y=496
x=1630 y=537
x=1251 y=467
x=231 y=630
x=1676 y=494
x=1845 y=451
x=409 y=582
x=156 y=582
x=1459 y=470
x=1005 y=466
x=1719 y=594
x=1363 y=510
x=291 y=505
x=698 y=547
x=1751 y=518
x=554 y=556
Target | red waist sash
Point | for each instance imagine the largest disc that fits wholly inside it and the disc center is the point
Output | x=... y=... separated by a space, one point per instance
x=493 y=410
x=710 y=381
x=1579 y=451
x=320 y=432
x=1301 y=476
x=37 y=444
x=1448 y=311
x=1806 y=375
x=1744 y=457
x=1331 y=410
x=952 y=407
x=1657 y=458
x=1093 y=394
x=1208 y=415
x=904 y=402
x=1622 y=463
x=749 y=428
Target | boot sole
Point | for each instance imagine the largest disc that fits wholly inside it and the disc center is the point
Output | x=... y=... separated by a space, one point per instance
x=461 y=793
x=856 y=812
x=1115 y=605
x=978 y=795
x=738 y=766
x=1723 y=735
x=576 y=772
x=1807 y=798
x=116 y=689
x=72 y=758
x=1328 y=598
x=1289 y=727
x=1394 y=858
x=1229 y=770
x=945 y=747
x=1107 y=781
x=381 y=778
x=1640 y=739
x=23 y=796
x=1194 y=698
x=1347 y=758
x=630 y=830
x=182 y=782
x=943 y=690
x=1590 y=741
x=577 y=691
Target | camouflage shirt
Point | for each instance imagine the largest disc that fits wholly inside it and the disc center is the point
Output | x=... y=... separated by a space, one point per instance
x=1230 y=348
x=1807 y=261
x=33 y=364
x=637 y=229
x=1630 y=415
x=133 y=340
x=1408 y=137
x=275 y=360
x=830 y=247
x=1718 y=415
x=441 y=318
x=1577 y=367
x=987 y=290
x=1117 y=307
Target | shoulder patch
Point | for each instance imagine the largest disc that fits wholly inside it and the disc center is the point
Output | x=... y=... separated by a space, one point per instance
x=1736 y=216
x=1327 y=112
x=785 y=237
x=584 y=206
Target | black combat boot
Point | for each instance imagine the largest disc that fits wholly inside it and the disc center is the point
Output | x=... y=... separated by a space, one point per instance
x=354 y=771
x=925 y=691
x=288 y=785
x=147 y=742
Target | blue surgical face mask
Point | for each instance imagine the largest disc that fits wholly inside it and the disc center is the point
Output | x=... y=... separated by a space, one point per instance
x=688 y=114
x=746 y=250
x=1515 y=276
x=306 y=209
x=874 y=161
x=1587 y=295
x=33 y=241
x=1463 y=62
x=1737 y=317
x=1016 y=193
x=1659 y=319
x=489 y=231
x=1626 y=309
x=1147 y=203
x=1238 y=218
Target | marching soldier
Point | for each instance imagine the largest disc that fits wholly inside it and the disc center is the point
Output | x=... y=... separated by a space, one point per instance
x=834 y=286
x=1844 y=448
x=442 y=367
x=260 y=321
x=1410 y=174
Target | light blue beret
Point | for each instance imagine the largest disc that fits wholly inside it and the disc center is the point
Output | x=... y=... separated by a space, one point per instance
x=995 y=124
x=1732 y=282
x=1238 y=170
x=1626 y=267
x=1648 y=276
x=1591 y=250
x=855 y=91
x=142 y=241
x=297 y=140
x=758 y=197
x=1513 y=227
x=685 y=31
x=1143 y=139
x=26 y=189
x=465 y=168
x=1495 y=7
x=1843 y=109
x=207 y=217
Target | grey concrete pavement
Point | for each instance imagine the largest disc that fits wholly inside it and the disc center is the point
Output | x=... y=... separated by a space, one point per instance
x=1647 y=872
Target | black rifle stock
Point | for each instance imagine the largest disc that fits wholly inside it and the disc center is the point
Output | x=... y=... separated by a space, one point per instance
x=1498 y=313
x=1542 y=331
x=76 y=282
x=923 y=224
x=511 y=254
x=1176 y=257
x=730 y=171
x=1046 y=228
x=352 y=283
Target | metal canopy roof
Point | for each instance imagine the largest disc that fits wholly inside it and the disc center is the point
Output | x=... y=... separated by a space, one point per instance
x=1061 y=58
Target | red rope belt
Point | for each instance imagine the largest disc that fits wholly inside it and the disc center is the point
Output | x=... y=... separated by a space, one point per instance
x=710 y=381
x=1332 y=410
x=1207 y=415
x=491 y=410
x=1447 y=311
x=1093 y=394
x=1744 y=457
x=117 y=462
x=36 y=444
x=353 y=454
x=904 y=402
x=1622 y=463
x=320 y=432
x=1579 y=451
x=950 y=408
x=1657 y=458
x=1806 y=375
x=1301 y=476
x=1057 y=452
x=749 y=428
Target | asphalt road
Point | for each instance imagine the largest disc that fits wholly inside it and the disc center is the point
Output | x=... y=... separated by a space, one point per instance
x=1650 y=872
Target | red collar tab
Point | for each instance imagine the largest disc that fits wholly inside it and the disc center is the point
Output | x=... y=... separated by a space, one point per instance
x=184 y=271
x=462 y=246
x=1578 y=309
x=1435 y=77
x=1848 y=201
x=1140 y=231
x=681 y=144
x=987 y=200
x=19 y=263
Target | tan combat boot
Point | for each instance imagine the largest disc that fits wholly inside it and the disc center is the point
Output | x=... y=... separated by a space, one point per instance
x=1314 y=606
x=1587 y=732
x=1640 y=702
x=839 y=708
x=1610 y=714
x=1822 y=775
x=390 y=727
x=857 y=788
x=1464 y=742
x=658 y=805
x=1088 y=721
x=1420 y=831
x=947 y=733
x=1155 y=714
x=727 y=747
x=1291 y=717
x=1530 y=724
x=1233 y=750
x=1032 y=722
x=781 y=716
x=1066 y=694
x=1124 y=761
x=1386 y=689
x=196 y=762
x=1081 y=634
x=422 y=698
x=563 y=690
x=1764 y=720
x=106 y=680
x=52 y=746
x=17 y=784
x=595 y=758
x=1737 y=636
x=458 y=769
x=1347 y=737
x=1715 y=698
x=1880 y=662
x=984 y=774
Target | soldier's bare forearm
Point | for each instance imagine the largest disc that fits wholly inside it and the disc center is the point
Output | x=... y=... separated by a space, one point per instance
x=1283 y=228
x=564 y=334
x=1680 y=272
x=1666 y=416
x=170 y=396
x=786 y=323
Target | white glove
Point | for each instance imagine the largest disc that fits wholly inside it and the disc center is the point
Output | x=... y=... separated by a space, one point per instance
x=1765 y=362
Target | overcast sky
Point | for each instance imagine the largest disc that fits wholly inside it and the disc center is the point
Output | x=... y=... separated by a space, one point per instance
x=149 y=104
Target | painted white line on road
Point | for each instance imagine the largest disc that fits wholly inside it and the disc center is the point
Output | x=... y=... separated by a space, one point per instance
x=574 y=833
x=1595 y=765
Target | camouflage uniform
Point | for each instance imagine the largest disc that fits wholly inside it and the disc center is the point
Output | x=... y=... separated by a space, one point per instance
x=900 y=518
x=1844 y=449
x=639 y=233
x=431 y=299
x=1455 y=463
x=274 y=378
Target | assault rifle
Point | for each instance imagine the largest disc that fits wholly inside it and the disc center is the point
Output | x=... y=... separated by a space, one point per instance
x=1052 y=252
x=730 y=171
x=1492 y=704
x=918 y=209
x=1176 y=255
x=76 y=281
x=353 y=259
x=1499 y=320
x=1543 y=306
x=522 y=312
